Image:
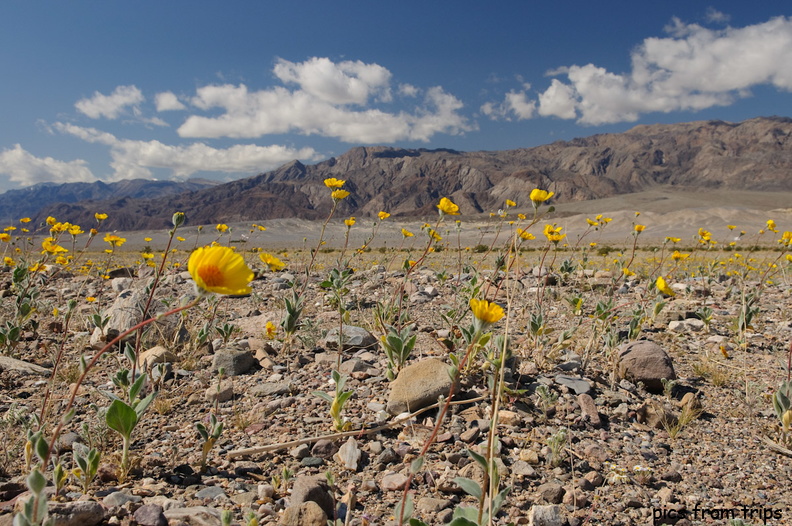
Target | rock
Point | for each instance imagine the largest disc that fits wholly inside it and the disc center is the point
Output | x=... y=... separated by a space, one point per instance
x=545 y=516
x=270 y=389
x=551 y=492
x=119 y=498
x=349 y=454
x=324 y=448
x=22 y=367
x=306 y=514
x=353 y=338
x=577 y=384
x=125 y=312
x=234 y=362
x=211 y=493
x=432 y=504
x=300 y=452
x=150 y=515
x=523 y=469
x=393 y=482
x=646 y=362
x=691 y=401
x=194 y=516
x=589 y=410
x=220 y=393
x=313 y=489
x=78 y=513
x=419 y=385
x=656 y=415
x=157 y=354
x=575 y=498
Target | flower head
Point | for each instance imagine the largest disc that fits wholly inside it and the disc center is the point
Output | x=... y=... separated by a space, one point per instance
x=509 y=203
x=98 y=216
x=221 y=228
x=485 y=313
x=383 y=215
x=114 y=240
x=446 y=206
x=270 y=330
x=524 y=234
x=272 y=262
x=5 y=237
x=406 y=233
x=540 y=196
x=220 y=270
x=337 y=195
x=639 y=228
x=51 y=246
x=663 y=287
x=332 y=182
x=25 y=220
x=349 y=222
x=8 y=262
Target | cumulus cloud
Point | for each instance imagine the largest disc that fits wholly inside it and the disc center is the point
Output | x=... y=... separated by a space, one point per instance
x=110 y=106
x=168 y=101
x=330 y=99
x=133 y=159
x=516 y=103
x=26 y=169
x=691 y=69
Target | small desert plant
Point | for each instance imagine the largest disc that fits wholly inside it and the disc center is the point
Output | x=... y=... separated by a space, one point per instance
x=398 y=344
x=557 y=442
x=209 y=435
x=337 y=401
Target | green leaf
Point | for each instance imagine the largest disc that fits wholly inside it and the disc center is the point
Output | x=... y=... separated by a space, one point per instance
x=465 y=516
x=497 y=502
x=141 y=406
x=121 y=418
x=417 y=464
x=324 y=396
x=471 y=487
x=480 y=459
x=36 y=482
x=408 y=508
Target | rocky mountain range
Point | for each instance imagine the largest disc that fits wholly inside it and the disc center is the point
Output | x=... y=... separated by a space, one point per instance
x=29 y=201
x=752 y=155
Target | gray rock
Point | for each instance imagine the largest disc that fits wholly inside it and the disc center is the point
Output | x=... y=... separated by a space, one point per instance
x=646 y=362
x=119 y=498
x=78 y=513
x=157 y=354
x=419 y=385
x=150 y=515
x=210 y=492
x=545 y=516
x=552 y=493
x=349 y=454
x=353 y=338
x=220 y=393
x=194 y=516
x=234 y=362
x=324 y=448
x=125 y=312
x=22 y=367
x=575 y=383
x=270 y=389
x=300 y=452
x=393 y=482
x=432 y=504
x=313 y=489
x=306 y=514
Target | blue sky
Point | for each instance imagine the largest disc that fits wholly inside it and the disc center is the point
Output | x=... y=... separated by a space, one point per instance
x=110 y=90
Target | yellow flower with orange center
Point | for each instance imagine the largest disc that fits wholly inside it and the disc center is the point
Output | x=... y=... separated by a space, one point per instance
x=114 y=240
x=8 y=262
x=25 y=220
x=639 y=228
x=220 y=270
x=5 y=237
x=349 y=222
x=383 y=215
x=50 y=246
x=270 y=330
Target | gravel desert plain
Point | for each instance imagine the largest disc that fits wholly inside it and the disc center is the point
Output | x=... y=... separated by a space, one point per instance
x=633 y=372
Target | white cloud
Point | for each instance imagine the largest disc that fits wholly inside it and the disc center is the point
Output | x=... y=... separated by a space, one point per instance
x=322 y=106
x=514 y=103
x=408 y=90
x=691 y=69
x=168 y=101
x=336 y=83
x=110 y=106
x=558 y=100
x=26 y=169
x=715 y=16
x=132 y=159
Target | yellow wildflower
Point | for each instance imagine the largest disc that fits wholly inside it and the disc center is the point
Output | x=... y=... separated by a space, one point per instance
x=51 y=220
x=446 y=206
x=98 y=216
x=272 y=262
x=771 y=226
x=50 y=246
x=383 y=215
x=509 y=202
x=731 y=227
x=349 y=222
x=221 y=227
x=5 y=237
x=90 y=299
x=75 y=230
x=485 y=313
x=114 y=240
x=663 y=287
x=677 y=256
x=406 y=233
x=8 y=262
x=524 y=234
x=25 y=220
x=332 y=182
x=220 y=270
x=337 y=195
x=270 y=330
x=591 y=222
x=540 y=196
x=639 y=228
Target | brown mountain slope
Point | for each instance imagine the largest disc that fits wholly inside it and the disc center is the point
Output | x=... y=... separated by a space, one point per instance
x=752 y=155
